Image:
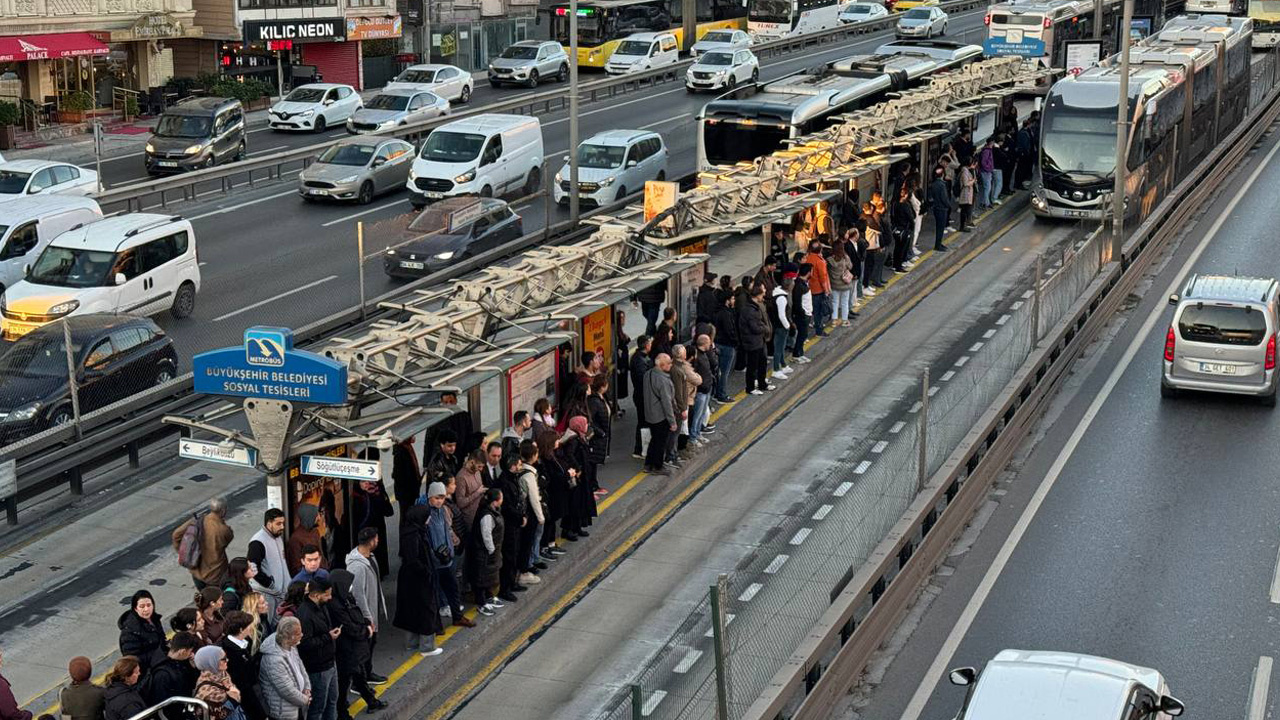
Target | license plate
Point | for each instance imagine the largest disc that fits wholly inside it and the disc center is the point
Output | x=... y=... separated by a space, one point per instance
x=167 y=163
x=410 y=265
x=433 y=194
x=1075 y=213
x=1217 y=369
x=314 y=191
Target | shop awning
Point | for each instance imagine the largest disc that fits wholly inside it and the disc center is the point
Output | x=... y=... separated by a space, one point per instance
x=48 y=47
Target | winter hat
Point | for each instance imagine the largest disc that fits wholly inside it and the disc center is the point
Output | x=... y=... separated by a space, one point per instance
x=80 y=668
x=435 y=489
x=208 y=657
x=578 y=424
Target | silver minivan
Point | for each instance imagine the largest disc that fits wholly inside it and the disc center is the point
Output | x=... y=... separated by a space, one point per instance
x=528 y=62
x=1223 y=337
x=612 y=165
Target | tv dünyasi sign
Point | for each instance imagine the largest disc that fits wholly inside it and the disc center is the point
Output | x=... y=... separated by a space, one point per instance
x=267 y=366
x=300 y=30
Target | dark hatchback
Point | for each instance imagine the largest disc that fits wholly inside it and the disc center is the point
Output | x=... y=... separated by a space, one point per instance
x=451 y=230
x=115 y=356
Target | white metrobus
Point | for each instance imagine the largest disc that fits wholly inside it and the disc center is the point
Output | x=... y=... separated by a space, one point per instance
x=774 y=19
x=1266 y=23
x=1218 y=7
x=1041 y=28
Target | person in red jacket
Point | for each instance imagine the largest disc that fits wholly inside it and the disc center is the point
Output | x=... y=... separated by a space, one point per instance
x=819 y=287
x=9 y=709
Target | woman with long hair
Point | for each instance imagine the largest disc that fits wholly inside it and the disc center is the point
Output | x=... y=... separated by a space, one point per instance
x=293 y=597
x=553 y=488
x=122 y=699
x=601 y=422
x=840 y=270
x=239 y=572
x=141 y=632
x=209 y=604
x=255 y=604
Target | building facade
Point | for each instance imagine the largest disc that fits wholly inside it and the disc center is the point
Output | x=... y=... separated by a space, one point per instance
x=468 y=33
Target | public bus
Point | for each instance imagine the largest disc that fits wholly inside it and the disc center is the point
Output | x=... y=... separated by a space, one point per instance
x=602 y=24
x=1188 y=88
x=1266 y=23
x=1042 y=28
x=1219 y=7
x=774 y=19
x=755 y=120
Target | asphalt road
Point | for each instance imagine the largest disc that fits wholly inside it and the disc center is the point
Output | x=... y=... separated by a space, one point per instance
x=268 y=258
x=1151 y=535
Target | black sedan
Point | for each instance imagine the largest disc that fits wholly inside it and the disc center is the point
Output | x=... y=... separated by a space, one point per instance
x=451 y=230
x=114 y=357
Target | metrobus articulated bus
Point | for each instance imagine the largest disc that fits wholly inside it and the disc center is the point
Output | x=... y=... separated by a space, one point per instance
x=602 y=24
x=774 y=19
x=755 y=120
x=1188 y=88
x=1266 y=23
x=1041 y=29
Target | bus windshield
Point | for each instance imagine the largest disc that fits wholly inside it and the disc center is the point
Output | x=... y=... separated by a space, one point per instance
x=777 y=11
x=728 y=143
x=1083 y=142
x=1269 y=8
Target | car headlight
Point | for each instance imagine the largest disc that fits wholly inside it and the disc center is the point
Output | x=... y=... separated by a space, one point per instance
x=348 y=179
x=306 y=113
x=194 y=150
x=151 y=148
x=26 y=412
x=559 y=178
x=447 y=255
x=391 y=251
x=465 y=177
x=64 y=308
x=606 y=182
x=413 y=174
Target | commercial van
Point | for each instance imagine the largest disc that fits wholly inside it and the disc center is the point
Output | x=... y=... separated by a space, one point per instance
x=643 y=51
x=487 y=155
x=29 y=223
x=140 y=263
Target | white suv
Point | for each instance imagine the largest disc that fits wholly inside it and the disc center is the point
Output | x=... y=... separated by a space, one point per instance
x=612 y=165
x=140 y=263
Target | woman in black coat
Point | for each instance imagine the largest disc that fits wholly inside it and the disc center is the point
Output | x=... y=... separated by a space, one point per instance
x=553 y=485
x=417 y=587
x=572 y=454
x=484 y=565
x=141 y=633
x=122 y=699
x=600 y=418
x=353 y=644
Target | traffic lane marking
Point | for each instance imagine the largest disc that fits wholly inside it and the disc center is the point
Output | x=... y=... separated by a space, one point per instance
x=1258 y=691
x=961 y=628
x=364 y=212
x=245 y=204
x=274 y=298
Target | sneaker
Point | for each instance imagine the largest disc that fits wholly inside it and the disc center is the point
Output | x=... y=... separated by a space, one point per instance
x=757 y=392
x=708 y=428
x=495 y=603
x=539 y=565
x=780 y=376
x=431 y=653
x=519 y=587
x=659 y=471
x=803 y=360
x=376 y=679
x=583 y=533
x=487 y=610
x=637 y=456
x=546 y=555
x=508 y=597
x=375 y=705
x=528 y=579
x=770 y=387
x=671 y=465
x=557 y=550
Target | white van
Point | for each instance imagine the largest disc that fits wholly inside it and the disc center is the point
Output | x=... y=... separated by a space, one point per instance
x=488 y=155
x=140 y=263
x=643 y=51
x=29 y=223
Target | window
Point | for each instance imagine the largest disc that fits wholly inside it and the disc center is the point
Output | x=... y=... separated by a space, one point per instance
x=21 y=241
x=493 y=151
x=417 y=102
x=100 y=354
x=331 y=96
x=1222 y=325
x=344 y=93
x=65 y=173
x=384 y=153
x=126 y=263
x=160 y=251
x=42 y=180
x=447 y=74
x=127 y=339
x=633 y=155
x=481 y=226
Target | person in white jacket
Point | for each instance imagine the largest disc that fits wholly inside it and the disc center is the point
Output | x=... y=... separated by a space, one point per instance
x=531 y=533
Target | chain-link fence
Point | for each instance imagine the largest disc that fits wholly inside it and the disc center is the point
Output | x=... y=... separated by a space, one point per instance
x=775 y=598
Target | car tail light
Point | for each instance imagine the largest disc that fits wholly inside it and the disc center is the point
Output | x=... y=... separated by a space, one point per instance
x=1271 y=353
x=986 y=20
x=1171 y=340
x=1048 y=22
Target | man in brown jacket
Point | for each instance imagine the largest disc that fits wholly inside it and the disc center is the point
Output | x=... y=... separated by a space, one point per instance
x=214 y=541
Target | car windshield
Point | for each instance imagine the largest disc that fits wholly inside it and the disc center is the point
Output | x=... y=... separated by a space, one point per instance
x=417 y=76
x=857 y=10
x=39 y=354
x=183 y=126
x=520 y=52
x=771 y=11
x=451 y=147
x=354 y=155
x=12 y=182
x=305 y=95
x=600 y=156
x=1082 y=142
x=69 y=267
x=633 y=47
x=716 y=58
x=718 y=37
x=1222 y=325
x=917 y=14
x=387 y=102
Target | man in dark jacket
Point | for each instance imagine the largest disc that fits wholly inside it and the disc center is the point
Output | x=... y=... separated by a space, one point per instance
x=174 y=676
x=726 y=324
x=353 y=645
x=706 y=301
x=1023 y=152
x=640 y=364
x=443 y=463
x=514 y=506
x=753 y=327
x=651 y=299
x=940 y=202
x=318 y=650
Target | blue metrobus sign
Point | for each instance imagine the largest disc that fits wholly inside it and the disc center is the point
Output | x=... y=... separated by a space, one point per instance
x=1029 y=48
x=267 y=366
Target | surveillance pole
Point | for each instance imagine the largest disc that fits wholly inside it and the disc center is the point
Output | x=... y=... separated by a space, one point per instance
x=1122 y=139
x=573 y=112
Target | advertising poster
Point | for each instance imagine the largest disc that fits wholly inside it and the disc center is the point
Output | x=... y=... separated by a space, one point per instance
x=329 y=496
x=1082 y=55
x=529 y=381
x=690 y=280
x=660 y=196
x=597 y=333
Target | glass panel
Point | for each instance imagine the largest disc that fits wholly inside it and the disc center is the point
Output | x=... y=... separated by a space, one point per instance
x=491 y=405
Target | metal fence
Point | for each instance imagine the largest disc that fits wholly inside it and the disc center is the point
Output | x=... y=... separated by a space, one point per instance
x=773 y=600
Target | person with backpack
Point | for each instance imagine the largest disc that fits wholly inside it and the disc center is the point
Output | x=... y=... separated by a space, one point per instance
x=173 y=676
x=201 y=544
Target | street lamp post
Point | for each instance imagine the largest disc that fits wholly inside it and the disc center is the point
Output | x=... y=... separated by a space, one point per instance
x=573 y=111
x=1122 y=139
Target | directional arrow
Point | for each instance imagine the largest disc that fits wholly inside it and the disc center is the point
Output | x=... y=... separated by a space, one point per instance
x=229 y=454
x=341 y=467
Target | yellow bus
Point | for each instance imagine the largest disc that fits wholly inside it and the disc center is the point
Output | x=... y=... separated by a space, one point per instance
x=602 y=24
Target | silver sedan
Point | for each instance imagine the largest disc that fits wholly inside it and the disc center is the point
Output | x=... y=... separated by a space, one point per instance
x=357 y=169
x=922 y=22
x=396 y=107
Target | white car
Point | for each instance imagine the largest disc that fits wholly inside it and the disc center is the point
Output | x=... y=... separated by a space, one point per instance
x=612 y=165
x=45 y=177
x=922 y=22
x=720 y=40
x=314 y=107
x=722 y=69
x=643 y=51
x=449 y=82
x=861 y=11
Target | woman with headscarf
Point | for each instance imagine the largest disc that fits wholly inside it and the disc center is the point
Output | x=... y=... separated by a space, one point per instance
x=353 y=644
x=417 y=586
x=214 y=685
x=581 y=505
x=141 y=633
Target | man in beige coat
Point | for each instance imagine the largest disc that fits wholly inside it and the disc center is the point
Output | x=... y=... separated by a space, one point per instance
x=216 y=537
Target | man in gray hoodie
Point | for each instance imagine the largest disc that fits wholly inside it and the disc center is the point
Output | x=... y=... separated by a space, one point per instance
x=367 y=589
x=659 y=407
